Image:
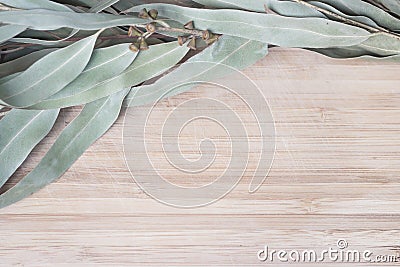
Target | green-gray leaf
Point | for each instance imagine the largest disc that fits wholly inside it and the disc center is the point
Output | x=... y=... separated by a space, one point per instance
x=40 y=19
x=148 y=64
x=35 y=4
x=9 y=31
x=268 y=28
x=20 y=132
x=102 y=5
x=361 y=8
x=22 y=63
x=105 y=64
x=94 y=120
x=392 y=5
x=378 y=45
x=284 y=8
x=362 y=19
x=232 y=51
x=48 y=75
x=381 y=44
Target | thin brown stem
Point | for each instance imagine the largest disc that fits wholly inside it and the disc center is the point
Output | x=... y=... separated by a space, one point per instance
x=16 y=45
x=19 y=46
x=350 y=21
x=194 y=32
x=73 y=39
x=3 y=52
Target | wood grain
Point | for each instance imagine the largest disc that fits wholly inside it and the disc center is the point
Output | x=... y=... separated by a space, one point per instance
x=335 y=175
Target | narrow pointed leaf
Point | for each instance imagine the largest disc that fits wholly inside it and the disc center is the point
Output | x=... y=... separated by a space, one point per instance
x=103 y=5
x=94 y=120
x=22 y=63
x=126 y=4
x=48 y=75
x=87 y=3
x=42 y=42
x=381 y=44
x=362 y=8
x=284 y=8
x=378 y=45
x=148 y=64
x=6 y=79
x=268 y=28
x=362 y=19
x=95 y=9
x=9 y=31
x=35 y=4
x=105 y=64
x=40 y=19
x=342 y=52
x=392 y=5
x=20 y=132
x=232 y=51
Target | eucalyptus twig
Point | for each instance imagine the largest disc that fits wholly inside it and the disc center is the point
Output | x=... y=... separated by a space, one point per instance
x=350 y=21
x=15 y=45
x=19 y=46
x=54 y=35
x=162 y=22
x=194 y=32
x=3 y=52
x=4 y=110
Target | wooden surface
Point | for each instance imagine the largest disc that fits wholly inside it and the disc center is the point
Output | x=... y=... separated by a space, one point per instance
x=335 y=175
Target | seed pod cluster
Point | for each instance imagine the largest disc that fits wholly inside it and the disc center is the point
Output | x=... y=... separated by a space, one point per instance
x=152 y=14
x=134 y=32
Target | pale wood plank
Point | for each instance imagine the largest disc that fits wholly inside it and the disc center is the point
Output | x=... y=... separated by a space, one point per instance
x=335 y=175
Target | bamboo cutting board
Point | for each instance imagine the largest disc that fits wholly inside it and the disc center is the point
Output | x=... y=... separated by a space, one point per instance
x=335 y=176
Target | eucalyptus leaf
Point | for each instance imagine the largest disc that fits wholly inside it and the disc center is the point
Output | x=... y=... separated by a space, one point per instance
x=40 y=19
x=148 y=64
x=393 y=59
x=40 y=37
x=20 y=132
x=83 y=5
x=6 y=79
x=381 y=44
x=392 y=5
x=87 y=3
x=362 y=19
x=125 y=4
x=102 y=5
x=95 y=9
x=361 y=8
x=9 y=31
x=378 y=45
x=343 y=52
x=48 y=75
x=106 y=63
x=35 y=4
x=22 y=63
x=232 y=51
x=28 y=50
x=93 y=121
x=284 y=8
x=43 y=42
x=268 y=28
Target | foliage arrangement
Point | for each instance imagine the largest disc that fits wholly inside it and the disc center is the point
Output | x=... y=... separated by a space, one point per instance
x=61 y=53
